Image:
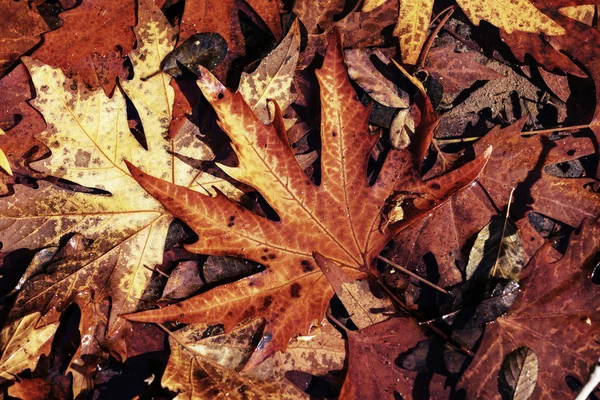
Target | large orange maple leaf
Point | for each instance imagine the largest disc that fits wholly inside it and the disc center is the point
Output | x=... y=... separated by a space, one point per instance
x=341 y=218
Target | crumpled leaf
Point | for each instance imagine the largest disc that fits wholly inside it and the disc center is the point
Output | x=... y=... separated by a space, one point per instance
x=202 y=368
x=90 y=138
x=273 y=78
x=555 y=315
x=456 y=71
x=363 y=72
x=372 y=371
x=22 y=343
x=309 y=215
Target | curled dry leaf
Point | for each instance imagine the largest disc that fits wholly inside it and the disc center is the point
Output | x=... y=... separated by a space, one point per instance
x=291 y=292
x=89 y=138
x=555 y=315
x=363 y=72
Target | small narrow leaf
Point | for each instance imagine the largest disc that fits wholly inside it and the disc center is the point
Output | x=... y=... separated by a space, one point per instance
x=518 y=374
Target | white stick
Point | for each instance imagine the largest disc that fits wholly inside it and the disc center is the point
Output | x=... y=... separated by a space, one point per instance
x=591 y=384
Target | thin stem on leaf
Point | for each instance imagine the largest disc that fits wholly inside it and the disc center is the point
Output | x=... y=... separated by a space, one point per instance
x=444 y=141
x=493 y=273
x=417 y=277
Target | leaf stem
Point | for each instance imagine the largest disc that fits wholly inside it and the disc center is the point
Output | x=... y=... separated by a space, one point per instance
x=417 y=277
x=493 y=273
x=537 y=132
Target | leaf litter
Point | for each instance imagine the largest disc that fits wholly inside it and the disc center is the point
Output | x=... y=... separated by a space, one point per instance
x=323 y=214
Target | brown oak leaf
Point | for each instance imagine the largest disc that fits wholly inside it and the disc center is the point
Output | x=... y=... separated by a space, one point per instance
x=555 y=315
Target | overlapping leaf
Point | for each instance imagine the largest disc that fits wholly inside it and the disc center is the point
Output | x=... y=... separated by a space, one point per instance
x=90 y=138
x=555 y=315
x=341 y=219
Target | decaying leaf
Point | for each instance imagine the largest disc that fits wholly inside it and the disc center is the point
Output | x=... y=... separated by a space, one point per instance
x=22 y=28
x=4 y=163
x=90 y=138
x=555 y=315
x=205 y=367
x=584 y=14
x=411 y=29
x=497 y=251
x=363 y=72
x=291 y=292
x=510 y=15
x=273 y=78
x=518 y=374
x=22 y=343
x=321 y=351
x=372 y=371
x=363 y=306
x=456 y=71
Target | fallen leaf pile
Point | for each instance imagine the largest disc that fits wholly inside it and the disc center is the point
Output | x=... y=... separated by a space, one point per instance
x=310 y=199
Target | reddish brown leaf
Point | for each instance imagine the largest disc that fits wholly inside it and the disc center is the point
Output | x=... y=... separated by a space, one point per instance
x=555 y=315
x=372 y=371
x=516 y=162
x=22 y=27
x=291 y=293
x=456 y=71
x=91 y=41
x=522 y=43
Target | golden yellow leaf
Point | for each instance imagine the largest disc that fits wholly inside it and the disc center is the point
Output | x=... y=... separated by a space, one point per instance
x=411 y=29
x=89 y=137
x=22 y=344
x=273 y=78
x=369 y=5
x=510 y=15
x=584 y=14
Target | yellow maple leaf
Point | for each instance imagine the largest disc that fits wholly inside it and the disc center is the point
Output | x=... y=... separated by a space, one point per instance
x=89 y=137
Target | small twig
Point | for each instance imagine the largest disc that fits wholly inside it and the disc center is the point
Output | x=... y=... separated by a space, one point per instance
x=433 y=35
x=493 y=273
x=417 y=277
x=157 y=270
x=591 y=384
x=535 y=132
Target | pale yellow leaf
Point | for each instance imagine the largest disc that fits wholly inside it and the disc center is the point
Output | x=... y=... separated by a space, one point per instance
x=510 y=15
x=22 y=344
x=273 y=78
x=4 y=163
x=584 y=14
